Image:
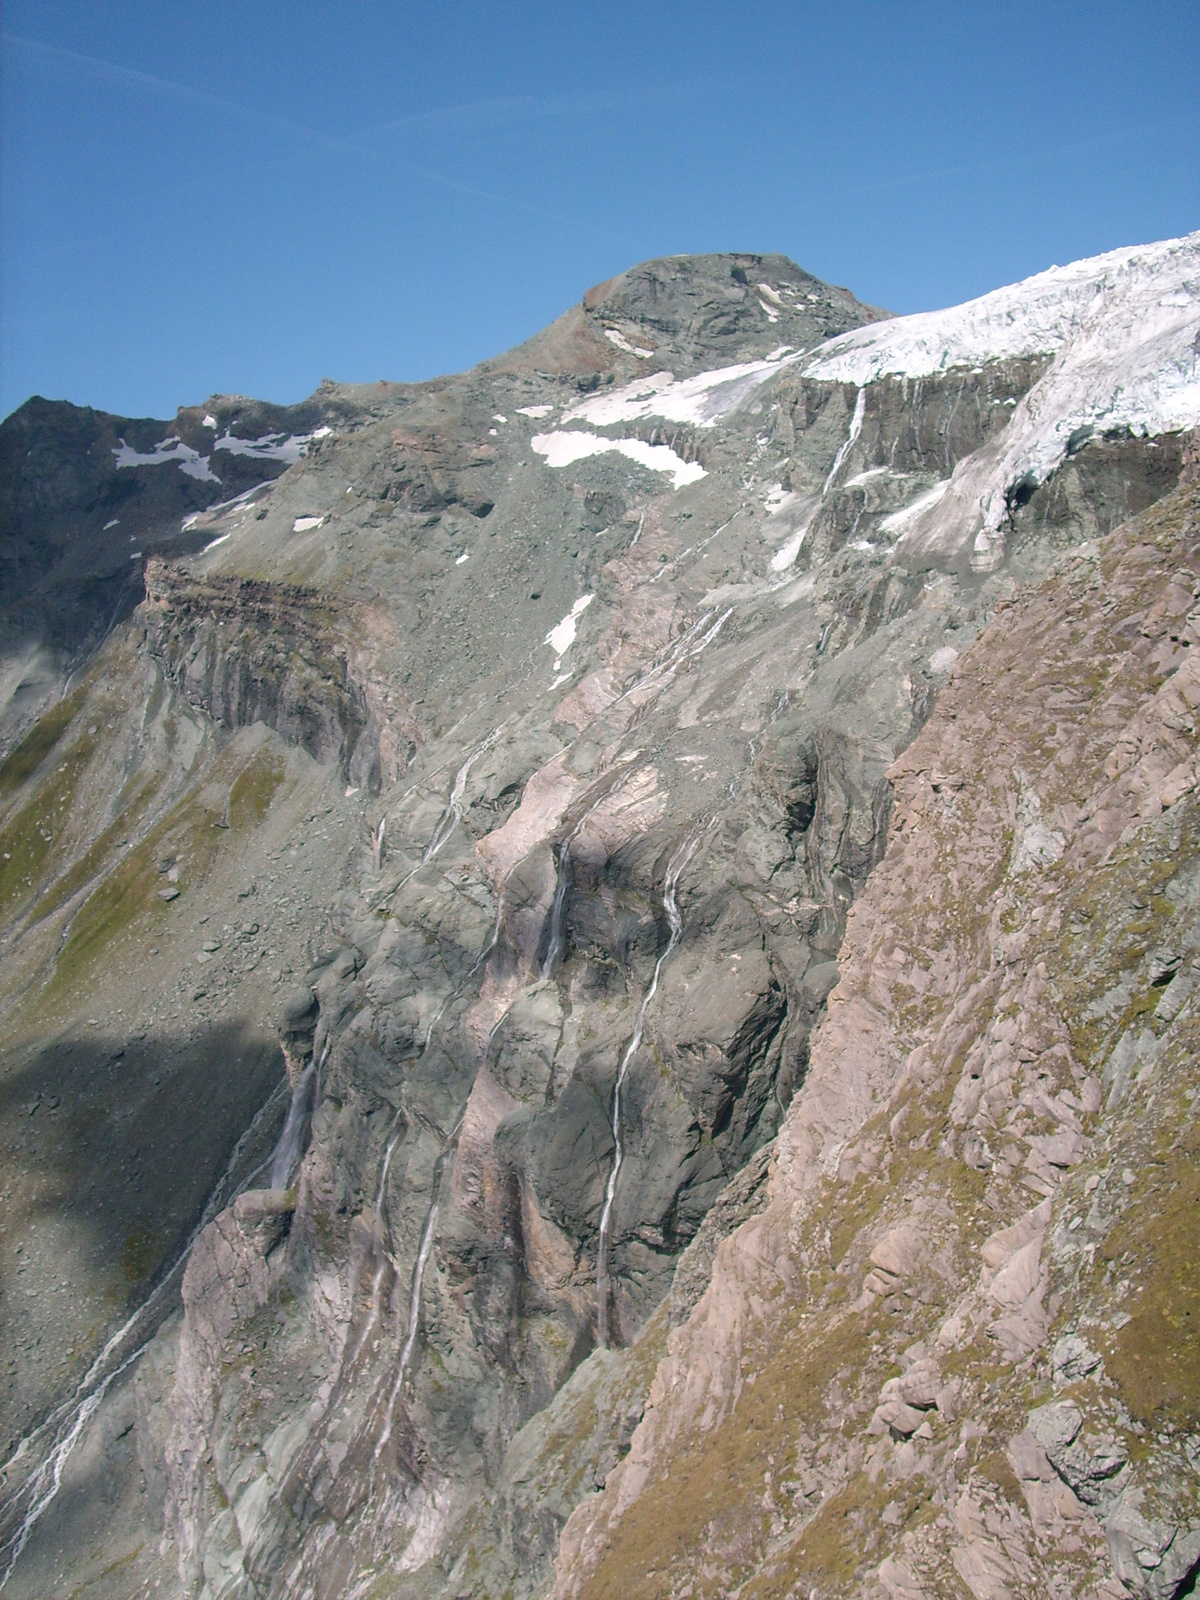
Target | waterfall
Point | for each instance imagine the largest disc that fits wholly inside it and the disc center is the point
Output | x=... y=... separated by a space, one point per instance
x=856 y=422
x=63 y=1428
x=379 y=1243
x=692 y=642
x=418 y=1278
x=286 y=1156
x=452 y=815
x=675 y=922
x=377 y=845
x=558 y=911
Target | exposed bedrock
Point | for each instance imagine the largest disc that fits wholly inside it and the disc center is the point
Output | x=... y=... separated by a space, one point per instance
x=521 y=758
x=952 y=1348
x=245 y=651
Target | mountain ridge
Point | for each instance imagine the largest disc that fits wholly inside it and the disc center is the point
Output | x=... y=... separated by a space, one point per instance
x=460 y=830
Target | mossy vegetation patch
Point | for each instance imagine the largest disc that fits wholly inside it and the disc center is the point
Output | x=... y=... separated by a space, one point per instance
x=37 y=744
x=127 y=902
x=142 y=1250
x=715 y=1494
x=843 y=1537
x=254 y=788
x=1155 y=1357
x=94 y=859
x=27 y=839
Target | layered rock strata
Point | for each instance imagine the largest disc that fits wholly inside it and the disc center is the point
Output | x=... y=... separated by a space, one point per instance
x=506 y=770
x=957 y=1346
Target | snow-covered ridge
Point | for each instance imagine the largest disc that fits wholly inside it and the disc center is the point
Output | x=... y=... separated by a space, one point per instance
x=1123 y=330
x=1038 y=316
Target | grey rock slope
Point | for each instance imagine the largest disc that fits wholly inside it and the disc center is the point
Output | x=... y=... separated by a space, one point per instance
x=492 y=785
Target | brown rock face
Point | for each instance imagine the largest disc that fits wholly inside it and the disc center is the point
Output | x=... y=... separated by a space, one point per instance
x=959 y=1346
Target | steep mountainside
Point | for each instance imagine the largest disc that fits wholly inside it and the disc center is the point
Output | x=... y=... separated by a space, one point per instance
x=417 y=911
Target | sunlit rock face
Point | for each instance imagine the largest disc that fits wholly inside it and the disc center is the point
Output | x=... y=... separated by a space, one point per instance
x=419 y=903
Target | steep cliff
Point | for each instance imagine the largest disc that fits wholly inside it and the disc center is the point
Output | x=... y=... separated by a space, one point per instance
x=959 y=1342
x=521 y=761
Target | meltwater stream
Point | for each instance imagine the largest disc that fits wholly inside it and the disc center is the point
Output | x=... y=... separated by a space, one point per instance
x=62 y=1430
x=286 y=1157
x=418 y=1279
x=452 y=815
x=675 y=922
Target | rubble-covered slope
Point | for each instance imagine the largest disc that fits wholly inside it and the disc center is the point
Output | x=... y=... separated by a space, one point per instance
x=959 y=1347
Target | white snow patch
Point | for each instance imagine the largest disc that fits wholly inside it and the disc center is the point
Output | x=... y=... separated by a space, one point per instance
x=352 y=790
x=898 y=521
x=534 y=411
x=769 y=301
x=209 y=422
x=466 y=555
x=498 y=418
x=321 y=433
x=116 y=522
x=787 y=553
x=561 y=449
x=942 y=660
x=493 y=432
x=134 y=554
x=562 y=637
x=865 y=477
x=215 y=543
x=1121 y=330
x=622 y=343
x=272 y=446
x=167 y=450
x=306 y=524
x=778 y=353
x=776 y=498
x=702 y=400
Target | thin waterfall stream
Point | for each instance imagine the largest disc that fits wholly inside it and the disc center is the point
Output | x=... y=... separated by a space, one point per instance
x=675 y=922
x=286 y=1156
x=452 y=815
x=63 y=1428
x=418 y=1279
x=558 y=911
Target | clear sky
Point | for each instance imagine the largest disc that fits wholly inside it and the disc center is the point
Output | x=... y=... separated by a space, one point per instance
x=249 y=197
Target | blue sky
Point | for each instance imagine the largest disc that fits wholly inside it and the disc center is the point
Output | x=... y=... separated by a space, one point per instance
x=248 y=198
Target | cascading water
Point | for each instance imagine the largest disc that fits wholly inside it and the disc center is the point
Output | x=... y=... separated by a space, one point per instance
x=558 y=911
x=286 y=1155
x=675 y=922
x=64 y=1427
x=692 y=642
x=418 y=1278
x=452 y=815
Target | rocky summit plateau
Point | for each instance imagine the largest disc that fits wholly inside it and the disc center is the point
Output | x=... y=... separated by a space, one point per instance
x=600 y=962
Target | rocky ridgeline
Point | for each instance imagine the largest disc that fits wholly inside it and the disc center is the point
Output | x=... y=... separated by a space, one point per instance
x=531 y=746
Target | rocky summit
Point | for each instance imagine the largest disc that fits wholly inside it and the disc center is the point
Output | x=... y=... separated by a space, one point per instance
x=600 y=962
